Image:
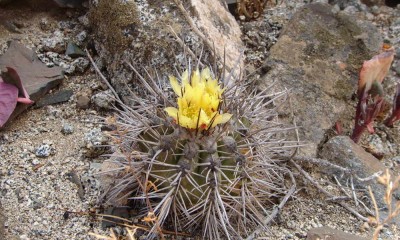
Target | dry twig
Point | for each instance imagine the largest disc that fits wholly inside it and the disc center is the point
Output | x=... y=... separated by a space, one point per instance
x=391 y=186
x=328 y=194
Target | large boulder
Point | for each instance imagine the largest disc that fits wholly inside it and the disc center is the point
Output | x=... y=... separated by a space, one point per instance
x=318 y=56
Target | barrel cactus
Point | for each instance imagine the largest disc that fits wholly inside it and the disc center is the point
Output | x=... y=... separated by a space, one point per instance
x=200 y=158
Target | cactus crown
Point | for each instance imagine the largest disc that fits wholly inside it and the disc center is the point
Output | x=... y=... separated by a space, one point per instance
x=207 y=162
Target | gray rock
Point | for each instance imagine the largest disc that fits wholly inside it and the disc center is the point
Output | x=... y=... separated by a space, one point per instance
x=67 y=68
x=55 y=43
x=80 y=64
x=331 y=234
x=342 y=151
x=35 y=76
x=377 y=146
x=95 y=143
x=104 y=100
x=81 y=37
x=58 y=97
x=67 y=129
x=74 y=51
x=318 y=56
x=43 y=151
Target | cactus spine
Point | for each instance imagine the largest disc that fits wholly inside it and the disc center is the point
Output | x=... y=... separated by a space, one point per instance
x=201 y=161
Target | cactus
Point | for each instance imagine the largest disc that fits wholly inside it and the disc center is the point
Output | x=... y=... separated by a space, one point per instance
x=202 y=158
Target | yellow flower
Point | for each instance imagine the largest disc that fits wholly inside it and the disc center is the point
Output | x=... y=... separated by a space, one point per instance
x=198 y=100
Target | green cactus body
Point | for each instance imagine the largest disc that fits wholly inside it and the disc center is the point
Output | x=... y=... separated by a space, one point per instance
x=194 y=158
x=214 y=171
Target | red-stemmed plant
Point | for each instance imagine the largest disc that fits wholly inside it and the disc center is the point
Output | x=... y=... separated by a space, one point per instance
x=370 y=92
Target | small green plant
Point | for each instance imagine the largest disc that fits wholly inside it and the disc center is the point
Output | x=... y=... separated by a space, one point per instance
x=202 y=159
x=393 y=207
x=370 y=93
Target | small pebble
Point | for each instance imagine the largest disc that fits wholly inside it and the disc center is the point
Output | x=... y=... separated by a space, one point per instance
x=80 y=64
x=43 y=151
x=103 y=100
x=83 y=100
x=67 y=129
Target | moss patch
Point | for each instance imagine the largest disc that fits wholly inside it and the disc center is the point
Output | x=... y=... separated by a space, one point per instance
x=114 y=21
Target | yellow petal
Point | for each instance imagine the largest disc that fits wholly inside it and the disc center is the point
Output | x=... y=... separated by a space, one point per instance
x=195 y=78
x=172 y=112
x=184 y=78
x=204 y=120
x=205 y=74
x=175 y=86
x=186 y=122
x=223 y=118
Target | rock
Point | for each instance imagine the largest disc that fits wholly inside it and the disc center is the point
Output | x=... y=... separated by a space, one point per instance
x=43 y=151
x=376 y=146
x=221 y=29
x=318 y=56
x=74 y=51
x=341 y=150
x=80 y=64
x=107 y=180
x=35 y=76
x=67 y=129
x=81 y=37
x=58 y=97
x=55 y=43
x=83 y=99
x=331 y=234
x=104 y=100
x=95 y=143
x=67 y=68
